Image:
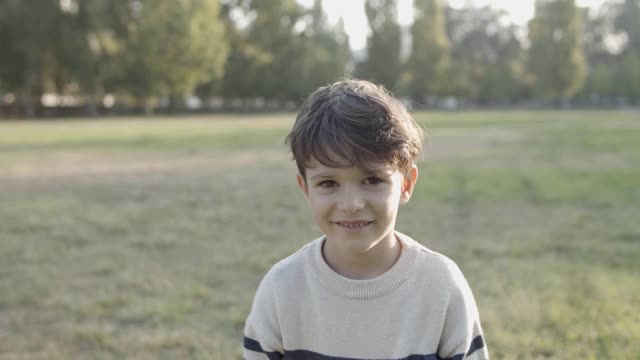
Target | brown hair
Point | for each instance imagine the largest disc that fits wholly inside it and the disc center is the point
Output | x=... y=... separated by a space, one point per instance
x=356 y=121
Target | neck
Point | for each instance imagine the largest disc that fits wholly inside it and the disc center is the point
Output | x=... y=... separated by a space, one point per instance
x=368 y=265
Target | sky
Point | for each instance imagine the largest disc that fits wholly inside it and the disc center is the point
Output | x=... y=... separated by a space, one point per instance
x=355 y=21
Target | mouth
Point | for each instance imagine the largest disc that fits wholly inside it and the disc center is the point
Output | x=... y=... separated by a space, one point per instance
x=353 y=225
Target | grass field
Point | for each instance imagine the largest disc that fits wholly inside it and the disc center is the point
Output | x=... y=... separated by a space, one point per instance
x=146 y=238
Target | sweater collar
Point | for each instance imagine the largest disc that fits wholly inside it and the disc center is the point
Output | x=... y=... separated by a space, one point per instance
x=369 y=288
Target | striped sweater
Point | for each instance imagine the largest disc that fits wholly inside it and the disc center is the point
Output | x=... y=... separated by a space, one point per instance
x=421 y=308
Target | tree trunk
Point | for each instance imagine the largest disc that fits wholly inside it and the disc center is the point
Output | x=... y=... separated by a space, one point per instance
x=148 y=107
x=92 y=108
x=28 y=108
x=175 y=104
x=28 y=101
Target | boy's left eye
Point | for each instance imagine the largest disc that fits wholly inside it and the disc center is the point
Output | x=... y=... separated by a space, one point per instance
x=327 y=184
x=372 y=180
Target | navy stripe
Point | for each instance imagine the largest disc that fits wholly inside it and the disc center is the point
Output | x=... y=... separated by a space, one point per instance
x=477 y=343
x=455 y=357
x=250 y=344
x=310 y=355
x=253 y=345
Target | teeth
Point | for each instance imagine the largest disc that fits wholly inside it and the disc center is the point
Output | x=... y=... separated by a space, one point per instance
x=354 y=225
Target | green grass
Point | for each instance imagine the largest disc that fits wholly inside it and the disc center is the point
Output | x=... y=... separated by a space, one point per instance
x=146 y=238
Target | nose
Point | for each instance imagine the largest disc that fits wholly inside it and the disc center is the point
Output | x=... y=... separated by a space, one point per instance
x=351 y=200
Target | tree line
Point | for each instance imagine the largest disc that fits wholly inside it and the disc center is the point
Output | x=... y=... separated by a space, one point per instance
x=263 y=54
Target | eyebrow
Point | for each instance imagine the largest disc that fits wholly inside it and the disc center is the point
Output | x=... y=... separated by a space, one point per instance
x=321 y=176
x=383 y=172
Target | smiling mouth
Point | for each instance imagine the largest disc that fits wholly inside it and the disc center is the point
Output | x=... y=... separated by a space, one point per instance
x=353 y=224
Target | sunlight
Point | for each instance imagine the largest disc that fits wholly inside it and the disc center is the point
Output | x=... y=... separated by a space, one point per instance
x=355 y=21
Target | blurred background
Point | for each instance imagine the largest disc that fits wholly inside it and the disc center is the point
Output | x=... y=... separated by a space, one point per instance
x=145 y=188
x=91 y=57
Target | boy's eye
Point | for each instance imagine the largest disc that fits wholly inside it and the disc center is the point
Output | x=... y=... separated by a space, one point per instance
x=372 y=180
x=327 y=184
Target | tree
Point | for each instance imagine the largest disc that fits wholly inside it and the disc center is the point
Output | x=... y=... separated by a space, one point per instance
x=628 y=22
x=94 y=34
x=243 y=60
x=627 y=77
x=383 y=63
x=327 y=51
x=601 y=60
x=487 y=55
x=276 y=47
x=30 y=32
x=284 y=52
x=556 y=60
x=172 y=47
x=428 y=66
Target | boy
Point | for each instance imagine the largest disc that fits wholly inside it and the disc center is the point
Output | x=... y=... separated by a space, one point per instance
x=362 y=290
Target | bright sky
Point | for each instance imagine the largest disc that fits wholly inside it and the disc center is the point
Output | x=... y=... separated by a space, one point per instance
x=355 y=21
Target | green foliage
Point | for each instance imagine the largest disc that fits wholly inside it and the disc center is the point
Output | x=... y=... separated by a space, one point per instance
x=613 y=73
x=627 y=78
x=279 y=51
x=94 y=34
x=627 y=22
x=89 y=47
x=244 y=58
x=383 y=63
x=30 y=33
x=285 y=52
x=556 y=60
x=327 y=51
x=428 y=66
x=488 y=58
x=174 y=46
x=273 y=33
x=599 y=81
x=628 y=74
x=601 y=63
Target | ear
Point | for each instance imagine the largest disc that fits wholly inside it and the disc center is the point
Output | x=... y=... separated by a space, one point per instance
x=408 y=184
x=302 y=183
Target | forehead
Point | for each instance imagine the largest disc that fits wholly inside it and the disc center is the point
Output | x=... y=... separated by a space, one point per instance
x=315 y=167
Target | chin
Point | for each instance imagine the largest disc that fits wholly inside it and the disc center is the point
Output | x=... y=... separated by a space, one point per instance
x=355 y=244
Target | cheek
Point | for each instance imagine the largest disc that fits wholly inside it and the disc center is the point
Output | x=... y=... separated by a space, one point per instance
x=388 y=200
x=318 y=204
x=393 y=201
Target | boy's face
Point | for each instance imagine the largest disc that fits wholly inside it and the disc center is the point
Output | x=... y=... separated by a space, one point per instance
x=356 y=208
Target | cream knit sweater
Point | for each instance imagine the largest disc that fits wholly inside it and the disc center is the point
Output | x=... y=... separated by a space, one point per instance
x=421 y=308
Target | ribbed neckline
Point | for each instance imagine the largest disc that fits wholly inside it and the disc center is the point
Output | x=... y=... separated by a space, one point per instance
x=369 y=288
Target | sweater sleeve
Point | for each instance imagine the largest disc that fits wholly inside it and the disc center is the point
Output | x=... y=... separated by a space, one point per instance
x=462 y=336
x=262 y=336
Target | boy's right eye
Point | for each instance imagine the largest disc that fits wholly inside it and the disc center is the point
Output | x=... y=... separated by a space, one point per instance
x=327 y=184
